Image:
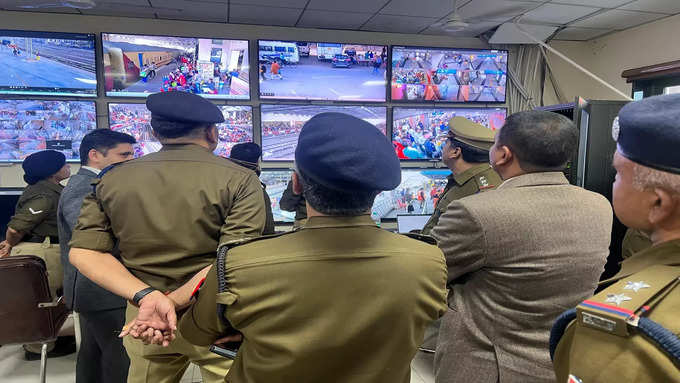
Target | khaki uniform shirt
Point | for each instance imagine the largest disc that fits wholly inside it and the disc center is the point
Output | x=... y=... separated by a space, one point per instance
x=634 y=242
x=472 y=181
x=169 y=211
x=36 y=210
x=600 y=346
x=339 y=300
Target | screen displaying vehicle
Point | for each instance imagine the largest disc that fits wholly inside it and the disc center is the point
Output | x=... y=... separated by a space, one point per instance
x=47 y=64
x=29 y=126
x=419 y=133
x=418 y=193
x=322 y=71
x=135 y=120
x=136 y=66
x=281 y=125
x=276 y=181
x=448 y=75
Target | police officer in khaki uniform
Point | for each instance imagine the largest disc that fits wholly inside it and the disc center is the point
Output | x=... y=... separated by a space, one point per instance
x=168 y=211
x=294 y=202
x=339 y=300
x=629 y=331
x=634 y=242
x=466 y=153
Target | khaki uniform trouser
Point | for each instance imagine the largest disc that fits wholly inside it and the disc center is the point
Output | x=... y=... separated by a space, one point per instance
x=151 y=363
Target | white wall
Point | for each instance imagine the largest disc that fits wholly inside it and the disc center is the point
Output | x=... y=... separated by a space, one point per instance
x=11 y=175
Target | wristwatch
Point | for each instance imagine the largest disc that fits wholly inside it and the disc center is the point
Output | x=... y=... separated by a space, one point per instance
x=141 y=294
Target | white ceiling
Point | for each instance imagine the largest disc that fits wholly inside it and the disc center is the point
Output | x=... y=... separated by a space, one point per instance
x=579 y=19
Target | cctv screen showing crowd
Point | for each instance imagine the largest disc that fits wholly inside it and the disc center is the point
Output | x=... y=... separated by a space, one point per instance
x=29 y=126
x=448 y=75
x=138 y=65
x=135 y=120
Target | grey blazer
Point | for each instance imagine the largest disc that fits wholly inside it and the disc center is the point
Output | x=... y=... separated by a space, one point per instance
x=80 y=293
x=517 y=257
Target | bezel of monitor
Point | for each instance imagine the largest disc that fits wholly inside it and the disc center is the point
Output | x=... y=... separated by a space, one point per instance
x=39 y=93
x=291 y=99
x=96 y=120
x=130 y=95
x=436 y=107
x=279 y=169
x=281 y=163
x=389 y=86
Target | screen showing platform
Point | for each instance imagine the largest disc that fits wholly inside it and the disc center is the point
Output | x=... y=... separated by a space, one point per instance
x=277 y=181
x=448 y=75
x=322 y=71
x=418 y=193
x=137 y=65
x=135 y=120
x=29 y=126
x=420 y=133
x=47 y=63
x=281 y=125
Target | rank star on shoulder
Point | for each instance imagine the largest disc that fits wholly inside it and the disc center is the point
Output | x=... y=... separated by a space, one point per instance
x=617 y=299
x=636 y=286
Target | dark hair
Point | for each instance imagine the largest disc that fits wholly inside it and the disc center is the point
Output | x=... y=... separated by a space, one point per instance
x=247 y=151
x=333 y=202
x=470 y=153
x=102 y=140
x=175 y=129
x=540 y=140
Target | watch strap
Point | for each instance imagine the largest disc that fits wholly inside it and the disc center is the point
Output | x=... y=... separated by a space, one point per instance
x=141 y=294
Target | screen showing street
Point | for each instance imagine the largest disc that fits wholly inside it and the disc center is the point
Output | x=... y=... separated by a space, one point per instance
x=277 y=181
x=418 y=193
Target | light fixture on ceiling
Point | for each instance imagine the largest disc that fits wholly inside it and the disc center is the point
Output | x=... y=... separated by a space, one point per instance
x=77 y=4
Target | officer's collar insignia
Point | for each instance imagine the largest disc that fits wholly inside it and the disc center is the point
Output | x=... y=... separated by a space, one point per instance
x=483 y=181
x=617 y=299
x=573 y=379
x=636 y=286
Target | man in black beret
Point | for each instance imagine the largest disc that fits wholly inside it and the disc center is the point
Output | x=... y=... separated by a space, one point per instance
x=169 y=211
x=630 y=329
x=339 y=299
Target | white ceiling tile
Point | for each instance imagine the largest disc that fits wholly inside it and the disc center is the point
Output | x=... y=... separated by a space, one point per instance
x=399 y=24
x=594 y=3
x=580 y=34
x=273 y=3
x=428 y=8
x=208 y=12
x=248 y=14
x=494 y=10
x=617 y=19
x=333 y=20
x=557 y=13
x=121 y=11
x=670 y=7
x=361 y=6
x=473 y=30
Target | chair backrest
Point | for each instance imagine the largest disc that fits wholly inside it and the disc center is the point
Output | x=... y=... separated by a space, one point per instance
x=23 y=285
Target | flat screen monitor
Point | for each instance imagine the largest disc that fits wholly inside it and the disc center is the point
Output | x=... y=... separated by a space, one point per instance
x=408 y=222
x=448 y=75
x=138 y=65
x=419 y=133
x=418 y=193
x=47 y=64
x=281 y=125
x=277 y=181
x=135 y=120
x=29 y=126
x=322 y=71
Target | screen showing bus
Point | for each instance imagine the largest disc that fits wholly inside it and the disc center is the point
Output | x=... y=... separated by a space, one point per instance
x=419 y=133
x=322 y=71
x=281 y=125
x=135 y=120
x=418 y=193
x=448 y=75
x=29 y=126
x=136 y=66
x=47 y=64
x=277 y=181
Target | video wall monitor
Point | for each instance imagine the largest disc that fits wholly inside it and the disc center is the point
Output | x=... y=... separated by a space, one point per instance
x=47 y=64
x=137 y=65
x=418 y=193
x=420 y=133
x=29 y=126
x=448 y=75
x=135 y=120
x=281 y=125
x=322 y=71
x=277 y=181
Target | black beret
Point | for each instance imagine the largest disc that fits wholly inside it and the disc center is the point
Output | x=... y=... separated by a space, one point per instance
x=41 y=165
x=247 y=151
x=183 y=107
x=648 y=132
x=345 y=153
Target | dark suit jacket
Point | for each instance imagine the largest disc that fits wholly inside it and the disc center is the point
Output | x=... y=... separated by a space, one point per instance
x=80 y=293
